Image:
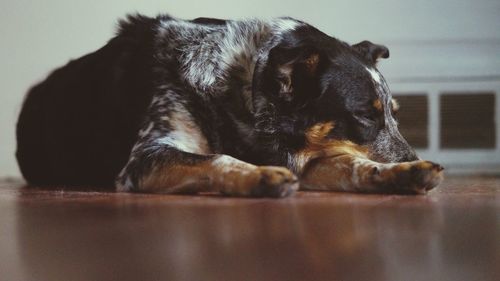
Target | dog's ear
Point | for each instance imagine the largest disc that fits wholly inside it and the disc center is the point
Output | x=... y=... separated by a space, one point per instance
x=292 y=68
x=370 y=51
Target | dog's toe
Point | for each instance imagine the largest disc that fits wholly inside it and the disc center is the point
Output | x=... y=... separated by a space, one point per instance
x=424 y=176
x=275 y=182
x=416 y=177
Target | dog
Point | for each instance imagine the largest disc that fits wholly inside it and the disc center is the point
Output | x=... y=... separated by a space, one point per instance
x=250 y=107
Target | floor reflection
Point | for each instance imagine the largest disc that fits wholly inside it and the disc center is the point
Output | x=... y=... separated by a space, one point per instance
x=337 y=237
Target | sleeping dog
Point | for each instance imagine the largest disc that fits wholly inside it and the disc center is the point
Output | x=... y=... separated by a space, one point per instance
x=244 y=108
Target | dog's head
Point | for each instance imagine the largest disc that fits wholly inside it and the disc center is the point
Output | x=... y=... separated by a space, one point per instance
x=309 y=78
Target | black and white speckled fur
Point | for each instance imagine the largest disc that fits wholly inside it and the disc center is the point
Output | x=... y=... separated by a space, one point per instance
x=216 y=63
x=167 y=93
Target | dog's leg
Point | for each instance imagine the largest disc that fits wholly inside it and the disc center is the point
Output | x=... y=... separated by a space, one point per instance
x=167 y=170
x=172 y=156
x=354 y=173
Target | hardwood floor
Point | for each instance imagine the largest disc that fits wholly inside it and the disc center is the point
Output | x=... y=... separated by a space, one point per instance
x=453 y=233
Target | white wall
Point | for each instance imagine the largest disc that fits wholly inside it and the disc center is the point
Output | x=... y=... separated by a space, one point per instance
x=426 y=37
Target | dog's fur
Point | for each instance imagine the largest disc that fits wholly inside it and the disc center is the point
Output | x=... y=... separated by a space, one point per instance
x=175 y=106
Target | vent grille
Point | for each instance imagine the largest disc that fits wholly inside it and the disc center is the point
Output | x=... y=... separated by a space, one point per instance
x=413 y=118
x=467 y=120
x=454 y=123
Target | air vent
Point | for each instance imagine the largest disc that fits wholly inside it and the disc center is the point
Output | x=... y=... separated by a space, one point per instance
x=467 y=120
x=413 y=118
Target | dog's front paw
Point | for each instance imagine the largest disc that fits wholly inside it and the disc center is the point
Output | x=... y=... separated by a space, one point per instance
x=275 y=182
x=415 y=177
x=427 y=175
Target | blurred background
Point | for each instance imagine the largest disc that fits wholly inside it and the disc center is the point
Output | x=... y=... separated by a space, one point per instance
x=444 y=65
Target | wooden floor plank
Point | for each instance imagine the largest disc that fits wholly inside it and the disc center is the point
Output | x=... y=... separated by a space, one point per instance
x=453 y=233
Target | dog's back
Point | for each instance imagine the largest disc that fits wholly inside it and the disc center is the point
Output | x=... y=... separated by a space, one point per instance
x=77 y=127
